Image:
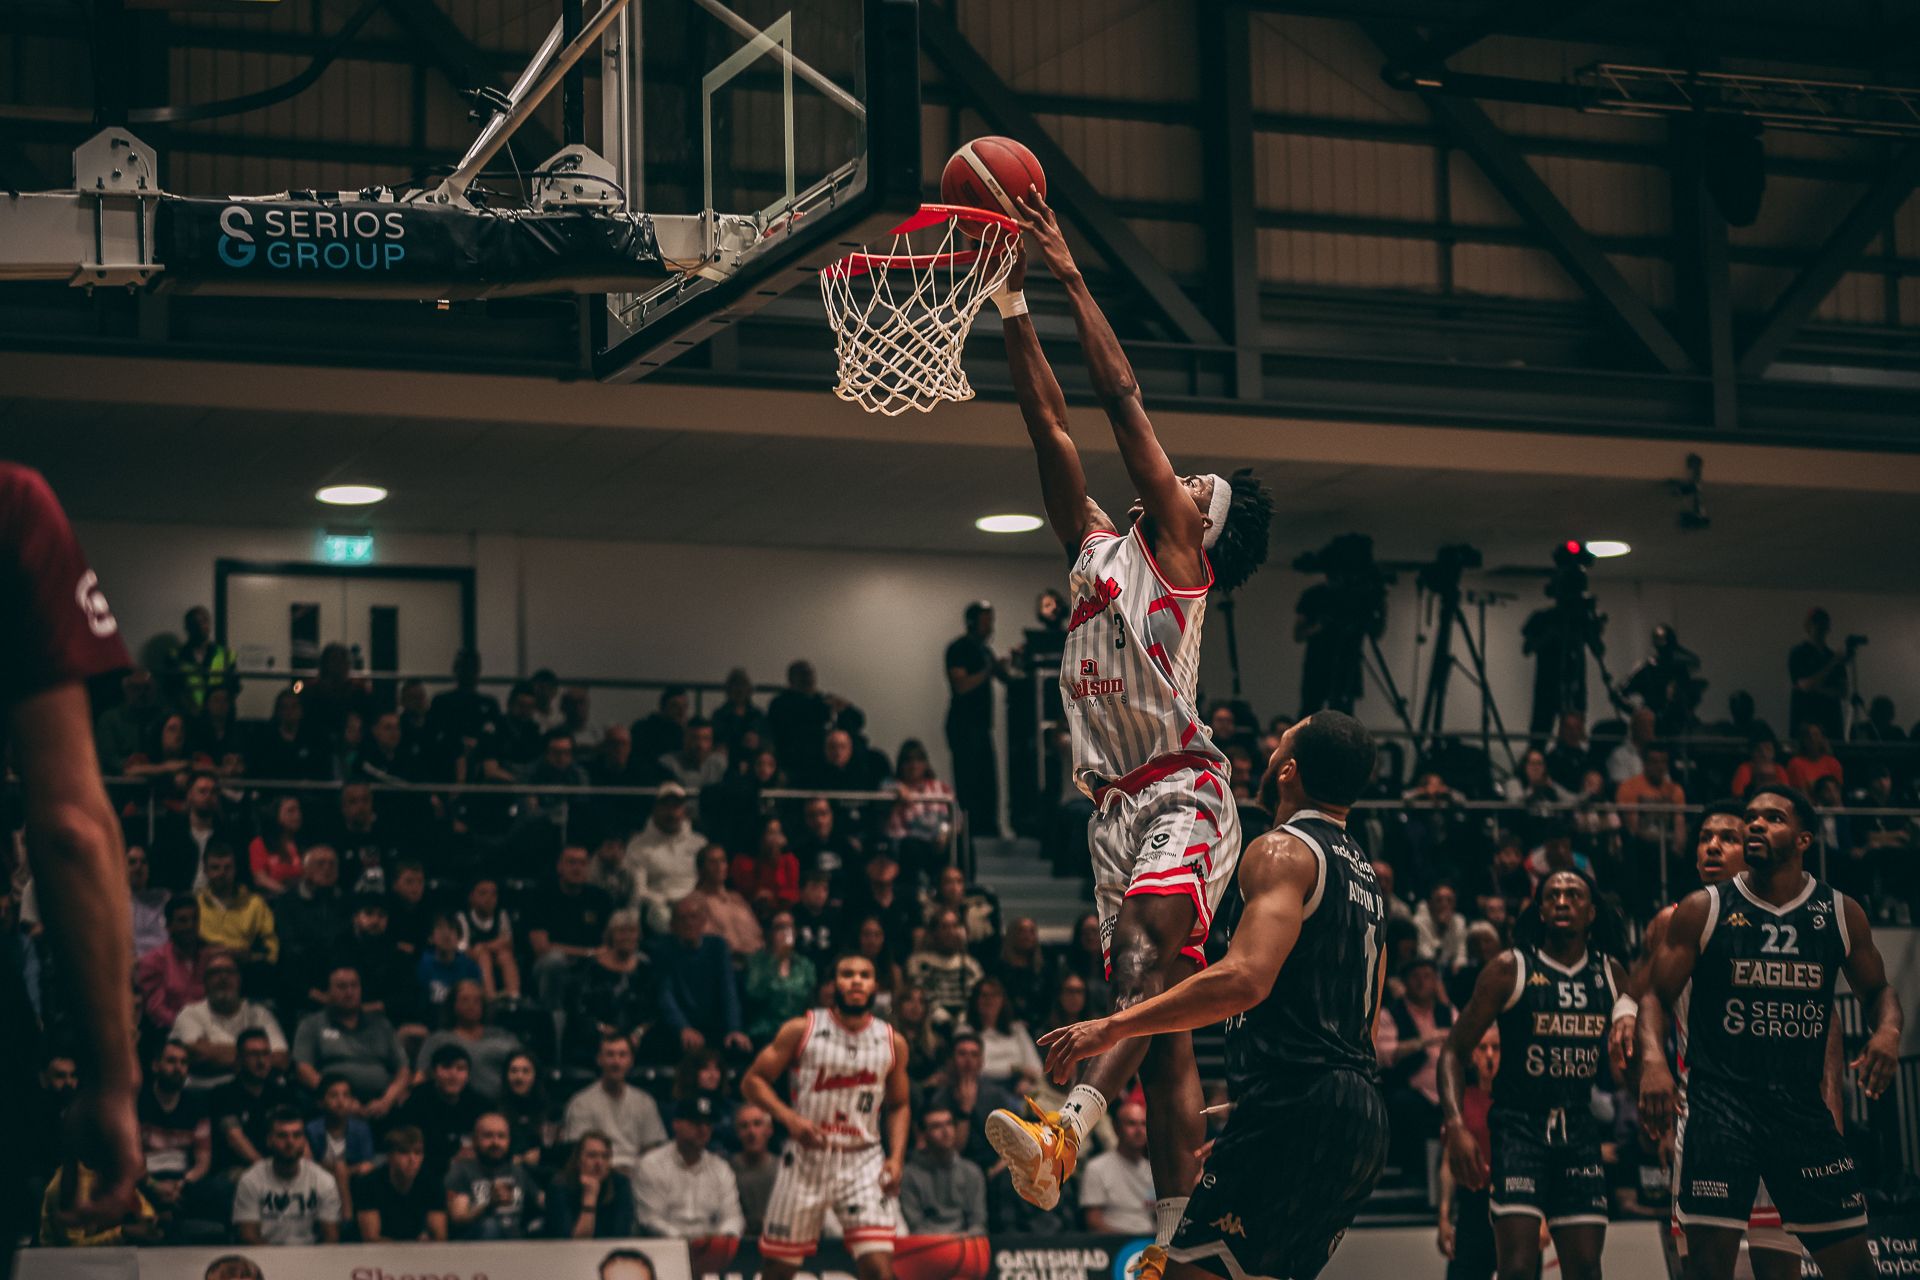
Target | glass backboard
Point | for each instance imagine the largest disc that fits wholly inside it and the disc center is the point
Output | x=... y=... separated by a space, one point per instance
x=765 y=138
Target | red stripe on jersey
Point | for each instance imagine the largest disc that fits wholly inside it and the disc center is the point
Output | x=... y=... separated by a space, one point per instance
x=1206 y=853
x=872 y=1233
x=783 y=1249
x=1137 y=780
x=1186 y=734
x=1159 y=656
x=1171 y=606
x=1206 y=779
x=1191 y=888
x=1207 y=813
x=1185 y=593
x=1163 y=873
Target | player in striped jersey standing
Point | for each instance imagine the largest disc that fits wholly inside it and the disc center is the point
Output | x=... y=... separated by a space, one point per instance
x=848 y=1075
x=1165 y=838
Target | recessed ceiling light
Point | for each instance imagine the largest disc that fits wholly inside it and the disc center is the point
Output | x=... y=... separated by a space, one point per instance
x=1008 y=524
x=351 y=495
x=1605 y=549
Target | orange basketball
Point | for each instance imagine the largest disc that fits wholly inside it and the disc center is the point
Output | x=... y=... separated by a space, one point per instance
x=941 y=1257
x=988 y=173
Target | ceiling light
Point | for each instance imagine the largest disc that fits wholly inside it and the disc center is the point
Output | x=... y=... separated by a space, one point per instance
x=1604 y=549
x=351 y=495
x=1008 y=524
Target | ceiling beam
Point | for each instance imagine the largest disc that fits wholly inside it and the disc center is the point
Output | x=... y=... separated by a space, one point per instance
x=1702 y=282
x=1522 y=188
x=1869 y=217
x=1067 y=187
x=1225 y=41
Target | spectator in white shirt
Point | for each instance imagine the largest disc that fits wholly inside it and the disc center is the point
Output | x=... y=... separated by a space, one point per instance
x=611 y=1106
x=684 y=1190
x=1116 y=1191
x=1009 y=1058
x=211 y=1028
x=1442 y=929
x=287 y=1198
x=661 y=856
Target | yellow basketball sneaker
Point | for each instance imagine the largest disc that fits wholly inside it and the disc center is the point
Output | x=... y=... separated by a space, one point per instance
x=1150 y=1264
x=1039 y=1154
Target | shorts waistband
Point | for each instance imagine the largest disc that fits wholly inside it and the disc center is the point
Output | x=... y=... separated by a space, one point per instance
x=1154 y=770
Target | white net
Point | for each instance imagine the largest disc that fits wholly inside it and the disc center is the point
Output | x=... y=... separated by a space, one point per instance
x=900 y=318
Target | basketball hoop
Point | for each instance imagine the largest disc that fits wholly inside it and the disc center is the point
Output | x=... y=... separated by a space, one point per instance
x=901 y=318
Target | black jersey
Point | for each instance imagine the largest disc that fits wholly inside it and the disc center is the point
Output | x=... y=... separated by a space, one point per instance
x=1762 y=991
x=1320 y=1012
x=1553 y=1035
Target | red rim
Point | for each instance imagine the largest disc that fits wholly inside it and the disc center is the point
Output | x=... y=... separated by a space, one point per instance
x=929 y=215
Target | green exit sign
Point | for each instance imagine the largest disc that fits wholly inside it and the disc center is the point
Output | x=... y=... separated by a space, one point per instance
x=346 y=548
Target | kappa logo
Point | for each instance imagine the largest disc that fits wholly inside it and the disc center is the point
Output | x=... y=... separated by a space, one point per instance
x=1537 y=980
x=1090 y=668
x=1230 y=1225
x=1738 y=920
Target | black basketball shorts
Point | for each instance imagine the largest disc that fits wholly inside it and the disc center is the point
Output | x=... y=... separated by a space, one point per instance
x=1286 y=1178
x=1546 y=1171
x=1733 y=1142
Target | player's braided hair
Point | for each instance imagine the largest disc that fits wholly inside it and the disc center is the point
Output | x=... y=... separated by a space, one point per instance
x=1242 y=545
x=1608 y=935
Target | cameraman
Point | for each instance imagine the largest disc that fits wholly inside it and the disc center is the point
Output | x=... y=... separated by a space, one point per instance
x=1335 y=618
x=1819 y=675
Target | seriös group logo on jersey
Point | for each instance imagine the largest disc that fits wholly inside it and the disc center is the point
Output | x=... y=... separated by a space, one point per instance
x=317 y=239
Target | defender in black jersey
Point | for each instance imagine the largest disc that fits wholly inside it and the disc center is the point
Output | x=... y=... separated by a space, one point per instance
x=1553 y=996
x=1298 y=990
x=1753 y=961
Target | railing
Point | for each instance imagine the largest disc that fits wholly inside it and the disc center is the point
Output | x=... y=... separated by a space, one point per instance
x=700 y=690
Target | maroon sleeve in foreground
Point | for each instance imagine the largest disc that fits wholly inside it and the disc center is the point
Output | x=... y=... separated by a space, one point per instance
x=55 y=625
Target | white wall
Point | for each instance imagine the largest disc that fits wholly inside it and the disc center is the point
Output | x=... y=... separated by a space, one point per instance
x=875 y=624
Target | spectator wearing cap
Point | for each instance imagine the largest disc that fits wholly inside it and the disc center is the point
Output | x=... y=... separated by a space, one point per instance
x=941 y=1194
x=210 y=1029
x=396 y=1201
x=682 y=1190
x=661 y=856
x=445 y=1109
x=626 y=1115
x=362 y=1046
x=729 y=915
x=590 y=1200
x=699 y=1001
x=697 y=764
x=233 y=916
x=971 y=667
x=1408 y=1041
x=173 y=975
x=770 y=875
x=565 y=925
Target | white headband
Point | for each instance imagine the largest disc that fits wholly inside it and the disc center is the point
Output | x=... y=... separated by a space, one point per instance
x=1216 y=511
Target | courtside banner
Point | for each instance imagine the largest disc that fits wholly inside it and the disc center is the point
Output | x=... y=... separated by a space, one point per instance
x=489 y=1260
x=1062 y=1257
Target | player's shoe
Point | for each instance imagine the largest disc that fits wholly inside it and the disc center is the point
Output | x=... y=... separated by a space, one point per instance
x=1149 y=1264
x=1040 y=1154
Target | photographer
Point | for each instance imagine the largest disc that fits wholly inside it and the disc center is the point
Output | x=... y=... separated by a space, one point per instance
x=1819 y=676
x=1667 y=682
x=1559 y=637
x=1335 y=618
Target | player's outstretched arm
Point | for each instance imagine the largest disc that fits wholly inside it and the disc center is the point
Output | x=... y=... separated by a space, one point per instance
x=1867 y=974
x=1063 y=481
x=769 y=1065
x=1490 y=993
x=1668 y=976
x=1154 y=479
x=1277 y=875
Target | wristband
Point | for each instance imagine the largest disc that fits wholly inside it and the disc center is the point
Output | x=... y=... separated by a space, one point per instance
x=1625 y=1007
x=1012 y=302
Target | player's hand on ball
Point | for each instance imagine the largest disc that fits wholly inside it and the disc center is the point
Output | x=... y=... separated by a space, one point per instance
x=1070 y=1044
x=1656 y=1098
x=1464 y=1158
x=806 y=1133
x=1876 y=1064
x=1038 y=221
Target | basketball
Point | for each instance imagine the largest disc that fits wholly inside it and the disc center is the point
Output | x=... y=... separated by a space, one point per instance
x=941 y=1257
x=988 y=173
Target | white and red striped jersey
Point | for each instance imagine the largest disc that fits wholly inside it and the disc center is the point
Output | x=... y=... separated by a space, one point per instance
x=839 y=1079
x=1131 y=662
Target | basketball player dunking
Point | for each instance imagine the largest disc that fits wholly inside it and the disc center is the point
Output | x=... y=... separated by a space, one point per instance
x=1750 y=964
x=849 y=1072
x=1166 y=836
x=1299 y=990
x=1555 y=996
x=1719 y=854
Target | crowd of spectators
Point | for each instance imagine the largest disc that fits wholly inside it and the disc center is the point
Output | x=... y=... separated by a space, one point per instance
x=427 y=1014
